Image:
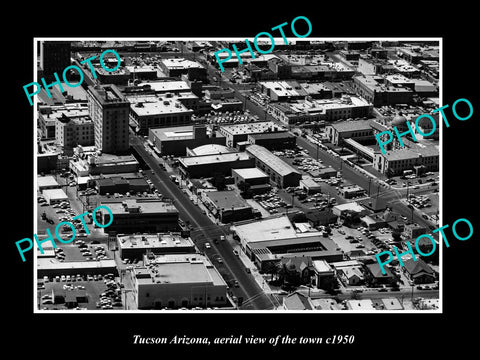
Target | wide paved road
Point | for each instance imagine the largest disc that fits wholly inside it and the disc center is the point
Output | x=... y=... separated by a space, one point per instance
x=205 y=231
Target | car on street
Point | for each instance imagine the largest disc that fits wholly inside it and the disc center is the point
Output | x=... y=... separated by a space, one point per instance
x=207 y=245
x=235 y=252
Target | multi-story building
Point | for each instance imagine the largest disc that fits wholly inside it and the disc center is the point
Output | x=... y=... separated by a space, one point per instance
x=139 y=215
x=109 y=110
x=54 y=58
x=320 y=109
x=240 y=132
x=70 y=132
x=176 y=281
x=357 y=130
x=176 y=67
x=373 y=89
x=48 y=116
x=176 y=140
x=151 y=111
x=394 y=162
x=134 y=246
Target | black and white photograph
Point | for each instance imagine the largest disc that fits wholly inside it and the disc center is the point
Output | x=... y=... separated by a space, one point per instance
x=267 y=181
x=174 y=178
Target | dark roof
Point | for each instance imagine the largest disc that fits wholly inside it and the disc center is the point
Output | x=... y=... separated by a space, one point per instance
x=416 y=267
x=300 y=262
x=320 y=215
x=377 y=272
x=275 y=135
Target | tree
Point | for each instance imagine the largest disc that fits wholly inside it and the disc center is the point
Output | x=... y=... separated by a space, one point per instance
x=243 y=186
x=219 y=181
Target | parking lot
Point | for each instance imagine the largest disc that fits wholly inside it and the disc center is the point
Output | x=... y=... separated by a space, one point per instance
x=102 y=292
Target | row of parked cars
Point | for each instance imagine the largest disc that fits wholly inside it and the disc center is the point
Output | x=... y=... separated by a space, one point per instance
x=112 y=295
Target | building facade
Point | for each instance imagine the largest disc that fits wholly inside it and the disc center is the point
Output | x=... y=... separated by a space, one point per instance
x=109 y=110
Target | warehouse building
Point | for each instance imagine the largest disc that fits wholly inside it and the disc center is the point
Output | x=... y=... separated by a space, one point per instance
x=281 y=173
x=209 y=165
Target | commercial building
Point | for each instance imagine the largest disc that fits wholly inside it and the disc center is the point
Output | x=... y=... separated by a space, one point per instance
x=227 y=206
x=94 y=164
x=240 y=132
x=139 y=215
x=176 y=67
x=320 y=109
x=252 y=176
x=109 y=110
x=349 y=192
x=376 y=91
x=176 y=140
x=152 y=111
x=47 y=267
x=282 y=90
x=47 y=182
x=267 y=241
x=360 y=131
x=394 y=162
x=73 y=131
x=209 y=165
x=161 y=87
x=121 y=184
x=142 y=72
x=174 y=281
x=48 y=116
x=54 y=58
x=281 y=173
x=324 y=274
x=342 y=209
x=54 y=196
x=309 y=185
x=117 y=77
x=274 y=141
x=135 y=246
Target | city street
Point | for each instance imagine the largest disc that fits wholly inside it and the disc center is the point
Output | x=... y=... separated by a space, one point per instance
x=204 y=230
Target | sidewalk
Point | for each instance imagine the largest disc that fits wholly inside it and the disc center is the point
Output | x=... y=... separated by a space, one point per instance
x=253 y=268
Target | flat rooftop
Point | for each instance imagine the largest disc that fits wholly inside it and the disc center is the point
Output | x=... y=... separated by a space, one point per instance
x=180 y=63
x=55 y=194
x=166 y=86
x=412 y=153
x=226 y=199
x=46 y=181
x=195 y=269
x=270 y=229
x=252 y=128
x=210 y=159
x=153 y=241
x=142 y=206
x=284 y=88
x=54 y=264
x=344 y=126
x=150 y=105
x=250 y=173
x=175 y=133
